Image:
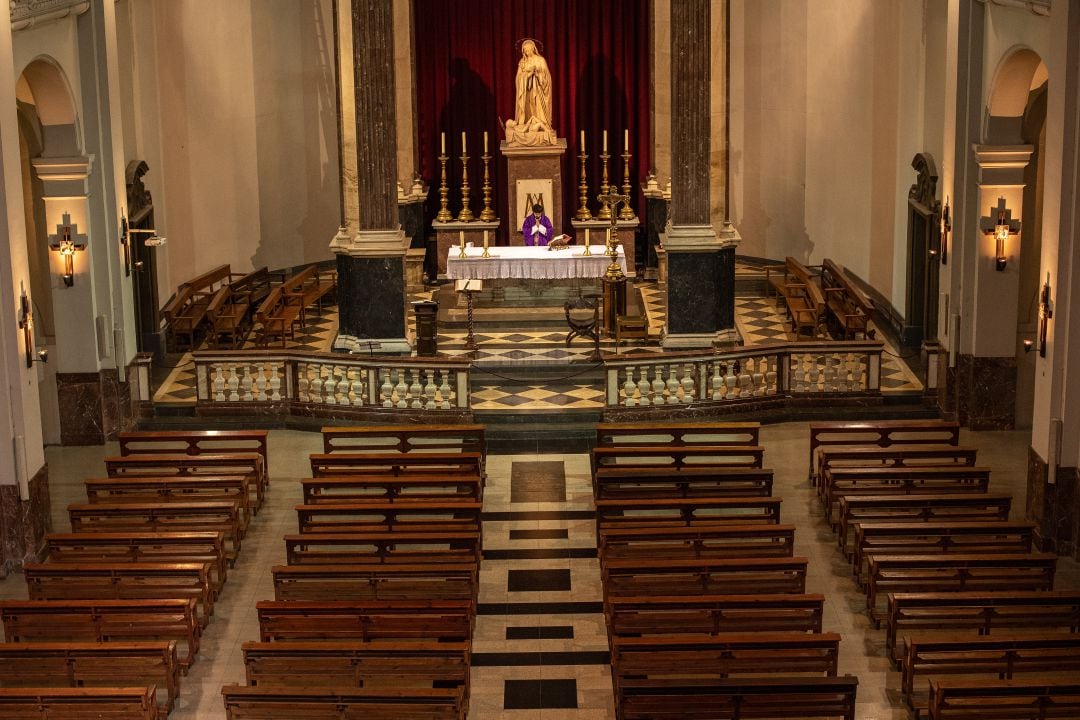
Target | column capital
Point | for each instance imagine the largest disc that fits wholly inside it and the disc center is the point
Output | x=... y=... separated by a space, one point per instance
x=64 y=176
x=699 y=238
x=371 y=243
x=1002 y=165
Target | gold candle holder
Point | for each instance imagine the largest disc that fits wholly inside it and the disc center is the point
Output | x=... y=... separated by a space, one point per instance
x=614 y=272
x=444 y=214
x=583 y=189
x=605 y=188
x=588 y=250
x=626 y=213
x=487 y=214
x=486 y=253
x=466 y=212
x=461 y=240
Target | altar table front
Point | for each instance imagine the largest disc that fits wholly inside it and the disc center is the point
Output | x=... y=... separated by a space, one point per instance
x=530 y=263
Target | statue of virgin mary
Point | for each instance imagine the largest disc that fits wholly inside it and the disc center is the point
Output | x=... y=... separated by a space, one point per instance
x=532 y=102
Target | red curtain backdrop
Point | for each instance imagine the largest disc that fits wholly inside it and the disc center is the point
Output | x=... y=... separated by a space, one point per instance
x=466 y=62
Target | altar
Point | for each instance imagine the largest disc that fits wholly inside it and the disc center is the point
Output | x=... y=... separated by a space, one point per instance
x=530 y=263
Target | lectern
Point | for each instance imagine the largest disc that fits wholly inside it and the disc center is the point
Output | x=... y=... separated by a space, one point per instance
x=427 y=327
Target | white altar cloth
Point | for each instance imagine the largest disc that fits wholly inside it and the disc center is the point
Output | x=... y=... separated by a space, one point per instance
x=529 y=263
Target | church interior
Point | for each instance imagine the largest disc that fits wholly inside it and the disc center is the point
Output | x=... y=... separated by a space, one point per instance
x=702 y=359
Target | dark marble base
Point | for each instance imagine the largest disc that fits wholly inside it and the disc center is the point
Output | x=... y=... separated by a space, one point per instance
x=371 y=293
x=701 y=291
x=980 y=392
x=1054 y=508
x=94 y=407
x=24 y=523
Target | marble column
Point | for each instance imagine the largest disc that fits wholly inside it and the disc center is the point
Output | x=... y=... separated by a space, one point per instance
x=700 y=262
x=371 y=258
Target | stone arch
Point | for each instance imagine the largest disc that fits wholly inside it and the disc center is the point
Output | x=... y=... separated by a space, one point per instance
x=44 y=86
x=1020 y=72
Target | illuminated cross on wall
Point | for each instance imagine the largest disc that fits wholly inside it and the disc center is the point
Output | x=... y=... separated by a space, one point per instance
x=1001 y=225
x=67 y=241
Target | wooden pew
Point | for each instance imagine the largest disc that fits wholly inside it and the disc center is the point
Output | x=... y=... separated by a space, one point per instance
x=840 y=481
x=195 y=442
x=675 y=458
x=265 y=703
x=255 y=285
x=391 y=489
x=979 y=613
x=1046 y=655
x=970 y=700
x=844 y=301
x=713 y=614
x=131 y=489
x=221 y=517
x=677 y=433
x=439 y=463
x=856 y=509
x=686 y=512
x=185 y=312
x=105 y=620
x=184 y=547
x=115 y=703
x=899 y=456
x=93 y=664
x=928 y=538
x=365 y=621
x=455 y=516
x=732 y=541
x=308 y=287
x=802 y=295
x=276 y=316
x=404 y=438
x=704 y=576
x=227 y=314
x=614 y=483
x=392 y=547
x=944 y=573
x=435 y=581
x=811 y=698
x=204 y=464
x=122 y=581
x=880 y=433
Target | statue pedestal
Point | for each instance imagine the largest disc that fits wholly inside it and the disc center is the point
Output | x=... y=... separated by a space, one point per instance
x=533 y=175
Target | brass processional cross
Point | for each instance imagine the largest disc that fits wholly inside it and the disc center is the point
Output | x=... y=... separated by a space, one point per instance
x=613 y=200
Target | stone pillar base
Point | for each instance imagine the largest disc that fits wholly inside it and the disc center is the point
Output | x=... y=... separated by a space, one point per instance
x=1053 y=508
x=984 y=390
x=371 y=291
x=25 y=522
x=93 y=406
x=700 y=285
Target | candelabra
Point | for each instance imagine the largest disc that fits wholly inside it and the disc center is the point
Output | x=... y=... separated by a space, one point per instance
x=626 y=213
x=487 y=214
x=605 y=189
x=444 y=214
x=583 y=188
x=614 y=272
x=466 y=212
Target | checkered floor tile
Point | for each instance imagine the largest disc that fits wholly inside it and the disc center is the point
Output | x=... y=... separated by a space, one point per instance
x=556 y=396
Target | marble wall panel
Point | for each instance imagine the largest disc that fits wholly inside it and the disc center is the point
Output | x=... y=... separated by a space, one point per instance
x=986 y=392
x=1055 y=509
x=79 y=396
x=24 y=523
x=372 y=296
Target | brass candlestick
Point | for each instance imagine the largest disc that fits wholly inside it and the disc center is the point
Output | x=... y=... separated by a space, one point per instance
x=461 y=237
x=466 y=213
x=487 y=214
x=626 y=213
x=486 y=253
x=444 y=214
x=605 y=189
x=614 y=272
x=588 y=250
x=583 y=187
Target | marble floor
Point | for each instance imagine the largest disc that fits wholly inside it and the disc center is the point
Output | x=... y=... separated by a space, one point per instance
x=540 y=648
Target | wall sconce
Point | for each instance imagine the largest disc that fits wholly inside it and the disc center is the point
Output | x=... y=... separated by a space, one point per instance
x=1046 y=313
x=1029 y=345
x=154 y=240
x=1001 y=225
x=67 y=241
x=26 y=325
x=946 y=228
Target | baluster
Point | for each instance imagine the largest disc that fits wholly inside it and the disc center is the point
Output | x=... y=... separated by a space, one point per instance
x=688 y=383
x=246 y=384
x=717 y=381
x=770 y=376
x=234 y=384
x=351 y=393
x=673 y=384
x=303 y=383
x=843 y=373
x=643 y=386
x=857 y=377
x=444 y=390
x=260 y=383
x=730 y=380
x=275 y=384
x=330 y=386
x=219 y=384
x=430 y=390
x=817 y=380
x=400 y=389
x=744 y=378
x=315 y=386
x=797 y=372
x=386 y=390
x=415 y=390
x=759 y=377
x=658 y=385
x=629 y=387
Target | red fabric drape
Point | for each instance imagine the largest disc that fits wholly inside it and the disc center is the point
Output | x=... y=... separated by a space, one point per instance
x=466 y=61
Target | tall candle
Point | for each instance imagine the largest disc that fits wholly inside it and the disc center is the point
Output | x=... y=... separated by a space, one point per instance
x=461 y=237
x=607 y=236
x=485 y=238
x=582 y=141
x=605 y=141
x=442 y=137
x=586 y=237
x=462 y=142
x=485 y=142
x=626 y=139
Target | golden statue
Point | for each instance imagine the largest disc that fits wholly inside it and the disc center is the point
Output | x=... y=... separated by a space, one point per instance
x=532 y=102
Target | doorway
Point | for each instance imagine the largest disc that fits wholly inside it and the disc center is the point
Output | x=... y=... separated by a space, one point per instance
x=924 y=254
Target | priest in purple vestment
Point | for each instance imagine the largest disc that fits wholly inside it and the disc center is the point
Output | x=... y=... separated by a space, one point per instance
x=537 y=227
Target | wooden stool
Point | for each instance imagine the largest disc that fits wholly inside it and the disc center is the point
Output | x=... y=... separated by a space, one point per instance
x=631 y=327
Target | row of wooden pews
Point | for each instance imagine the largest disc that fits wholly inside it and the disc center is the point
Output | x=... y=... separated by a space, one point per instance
x=972 y=619
x=117 y=609
x=373 y=613
x=704 y=598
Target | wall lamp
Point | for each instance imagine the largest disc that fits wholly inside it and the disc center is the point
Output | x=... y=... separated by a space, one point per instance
x=1046 y=313
x=1001 y=225
x=946 y=228
x=154 y=240
x=26 y=325
x=67 y=241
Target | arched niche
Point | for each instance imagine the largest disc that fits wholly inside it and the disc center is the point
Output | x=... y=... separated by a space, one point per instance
x=1020 y=72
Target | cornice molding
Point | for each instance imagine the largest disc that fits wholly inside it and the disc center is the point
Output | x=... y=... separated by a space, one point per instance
x=28 y=13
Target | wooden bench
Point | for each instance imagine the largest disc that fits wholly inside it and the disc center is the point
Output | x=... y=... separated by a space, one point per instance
x=404 y=438
x=199 y=547
x=733 y=541
x=185 y=312
x=373 y=581
x=401 y=488
x=440 y=463
x=614 y=483
x=255 y=285
x=1004 y=658
x=880 y=433
x=227 y=314
x=802 y=295
x=218 y=516
x=677 y=433
x=195 y=442
x=205 y=464
x=840 y=481
x=969 y=700
x=896 y=456
x=160 y=489
x=845 y=302
x=115 y=703
x=675 y=459
x=264 y=703
x=93 y=664
x=712 y=614
x=392 y=547
x=931 y=537
x=811 y=698
x=454 y=516
x=105 y=621
x=368 y=620
x=704 y=576
x=979 y=613
x=308 y=287
x=855 y=509
x=686 y=512
x=122 y=581
x=276 y=317
x=956 y=573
